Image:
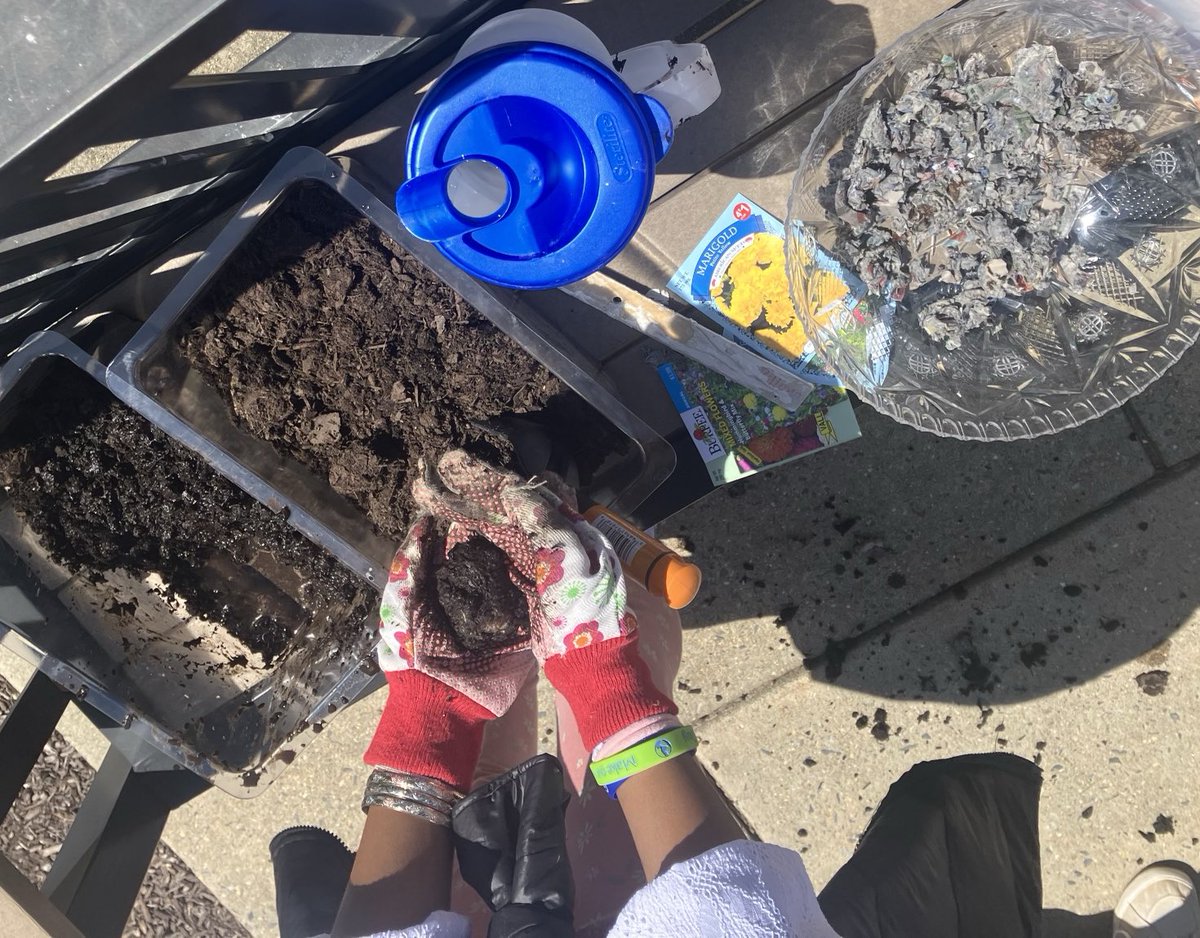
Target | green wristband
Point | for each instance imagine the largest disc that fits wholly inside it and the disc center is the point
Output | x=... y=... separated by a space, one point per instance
x=645 y=755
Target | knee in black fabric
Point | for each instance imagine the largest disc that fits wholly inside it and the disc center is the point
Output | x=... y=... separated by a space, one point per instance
x=510 y=838
x=951 y=851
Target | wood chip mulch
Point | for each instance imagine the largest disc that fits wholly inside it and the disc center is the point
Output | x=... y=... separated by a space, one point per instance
x=172 y=901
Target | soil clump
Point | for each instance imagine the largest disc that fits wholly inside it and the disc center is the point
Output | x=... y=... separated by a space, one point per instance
x=484 y=609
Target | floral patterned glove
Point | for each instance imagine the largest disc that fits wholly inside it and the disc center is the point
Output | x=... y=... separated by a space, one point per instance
x=582 y=633
x=439 y=697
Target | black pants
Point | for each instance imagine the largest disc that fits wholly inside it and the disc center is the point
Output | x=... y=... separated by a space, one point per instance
x=952 y=852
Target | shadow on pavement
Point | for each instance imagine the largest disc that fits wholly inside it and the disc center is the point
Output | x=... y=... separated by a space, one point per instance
x=1053 y=619
x=771 y=62
x=1081 y=601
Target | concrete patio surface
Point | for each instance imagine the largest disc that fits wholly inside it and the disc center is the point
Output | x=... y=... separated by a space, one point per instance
x=1057 y=620
x=1079 y=653
x=897 y=599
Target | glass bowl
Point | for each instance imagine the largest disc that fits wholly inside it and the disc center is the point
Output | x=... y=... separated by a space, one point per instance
x=1100 y=331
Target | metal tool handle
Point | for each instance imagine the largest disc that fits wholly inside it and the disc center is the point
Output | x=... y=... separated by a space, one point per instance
x=709 y=348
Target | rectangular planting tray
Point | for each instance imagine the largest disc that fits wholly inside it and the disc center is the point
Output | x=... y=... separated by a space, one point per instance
x=153 y=377
x=181 y=686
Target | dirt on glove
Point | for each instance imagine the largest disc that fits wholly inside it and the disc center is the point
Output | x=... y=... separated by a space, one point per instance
x=483 y=607
x=348 y=355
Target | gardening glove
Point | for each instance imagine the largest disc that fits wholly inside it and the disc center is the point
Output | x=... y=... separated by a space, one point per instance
x=582 y=633
x=439 y=696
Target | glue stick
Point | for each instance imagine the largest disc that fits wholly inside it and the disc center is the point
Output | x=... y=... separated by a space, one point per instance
x=647 y=560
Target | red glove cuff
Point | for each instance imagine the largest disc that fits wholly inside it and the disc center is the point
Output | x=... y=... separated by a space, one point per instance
x=607 y=686
x=428 y=729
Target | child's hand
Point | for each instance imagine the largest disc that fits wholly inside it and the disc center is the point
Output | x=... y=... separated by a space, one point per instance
x=582 y=632
x=438 y=696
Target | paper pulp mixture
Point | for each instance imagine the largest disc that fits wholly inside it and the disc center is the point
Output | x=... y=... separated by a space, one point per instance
x=961 y=193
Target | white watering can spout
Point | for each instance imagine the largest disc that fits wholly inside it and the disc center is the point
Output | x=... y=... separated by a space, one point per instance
x=679 y=77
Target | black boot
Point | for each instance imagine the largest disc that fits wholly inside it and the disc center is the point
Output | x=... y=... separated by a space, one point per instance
x=312 y=868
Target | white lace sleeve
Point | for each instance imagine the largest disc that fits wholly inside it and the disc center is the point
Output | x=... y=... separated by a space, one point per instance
x=438 y=925
x=739 y=890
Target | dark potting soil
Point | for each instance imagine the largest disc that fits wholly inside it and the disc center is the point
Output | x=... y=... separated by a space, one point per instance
x=483 y=608
x=347 y=354
x=104 y=489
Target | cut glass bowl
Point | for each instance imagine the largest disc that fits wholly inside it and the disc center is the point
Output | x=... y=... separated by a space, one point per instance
x=1065 y=355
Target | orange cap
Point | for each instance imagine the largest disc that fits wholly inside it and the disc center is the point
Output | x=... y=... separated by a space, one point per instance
x=674 y=579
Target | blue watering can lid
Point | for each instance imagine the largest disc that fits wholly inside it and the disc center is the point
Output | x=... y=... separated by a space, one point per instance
x=577 y=149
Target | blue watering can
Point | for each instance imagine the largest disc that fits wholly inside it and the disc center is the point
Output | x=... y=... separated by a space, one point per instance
x=530 y=162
